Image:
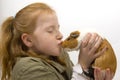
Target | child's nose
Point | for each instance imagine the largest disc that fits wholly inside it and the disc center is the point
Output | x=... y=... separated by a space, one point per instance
x=59 y=35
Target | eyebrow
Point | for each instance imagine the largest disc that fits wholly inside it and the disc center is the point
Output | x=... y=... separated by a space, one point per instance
x=54 y=26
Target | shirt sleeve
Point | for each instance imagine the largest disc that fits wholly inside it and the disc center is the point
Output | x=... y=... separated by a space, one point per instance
x=78 y=73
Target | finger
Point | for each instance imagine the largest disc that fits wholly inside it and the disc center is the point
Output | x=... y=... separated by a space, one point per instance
x=85 y=40
x=100 y=74
x=95 y=41
x=97 y=44
x=92 y=40
x=97 y=74
x=100 y=52
x=108 y=75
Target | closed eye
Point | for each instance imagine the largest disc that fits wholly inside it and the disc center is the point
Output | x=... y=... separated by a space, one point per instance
x=50 y=31
x=53 y=29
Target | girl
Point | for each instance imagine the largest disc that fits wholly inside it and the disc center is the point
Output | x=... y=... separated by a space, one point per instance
x=31 y=48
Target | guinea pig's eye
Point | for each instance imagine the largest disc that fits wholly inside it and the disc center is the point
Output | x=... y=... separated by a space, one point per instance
x=68 y=38
x=74 y=35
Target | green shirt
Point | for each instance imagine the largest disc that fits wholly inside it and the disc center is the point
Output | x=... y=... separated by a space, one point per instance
x=31 y=68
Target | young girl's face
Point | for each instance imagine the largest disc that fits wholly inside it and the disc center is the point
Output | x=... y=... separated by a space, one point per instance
x=46 y=38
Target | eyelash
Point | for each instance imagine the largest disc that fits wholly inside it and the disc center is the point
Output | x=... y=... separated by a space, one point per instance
x=50 y=31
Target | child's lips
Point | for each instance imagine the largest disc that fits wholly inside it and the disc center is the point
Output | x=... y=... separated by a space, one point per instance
x=60 y=43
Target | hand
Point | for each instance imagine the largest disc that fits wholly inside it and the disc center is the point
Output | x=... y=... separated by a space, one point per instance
x=88 y=47
x=102 y=75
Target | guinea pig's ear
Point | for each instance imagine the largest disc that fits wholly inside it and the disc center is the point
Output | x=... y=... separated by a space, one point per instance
x=75 y=34
x=26 y=39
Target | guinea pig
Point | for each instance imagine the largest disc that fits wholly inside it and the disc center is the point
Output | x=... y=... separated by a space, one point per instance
x=106 y=60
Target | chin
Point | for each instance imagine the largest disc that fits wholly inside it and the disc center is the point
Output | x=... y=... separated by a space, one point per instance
x=56 y=53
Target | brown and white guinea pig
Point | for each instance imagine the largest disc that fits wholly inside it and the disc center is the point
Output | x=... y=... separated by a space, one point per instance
x=107 y=60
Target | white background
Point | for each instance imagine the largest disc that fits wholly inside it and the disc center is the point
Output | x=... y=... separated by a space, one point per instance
x=102 y=15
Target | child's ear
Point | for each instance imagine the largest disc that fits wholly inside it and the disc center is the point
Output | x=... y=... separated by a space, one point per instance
x=26 y=39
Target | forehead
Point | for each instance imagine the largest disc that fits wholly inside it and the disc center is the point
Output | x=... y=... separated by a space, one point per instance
x=47 y=19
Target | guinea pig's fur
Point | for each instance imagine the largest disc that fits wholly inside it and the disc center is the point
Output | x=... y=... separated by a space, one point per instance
x=107 y=60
